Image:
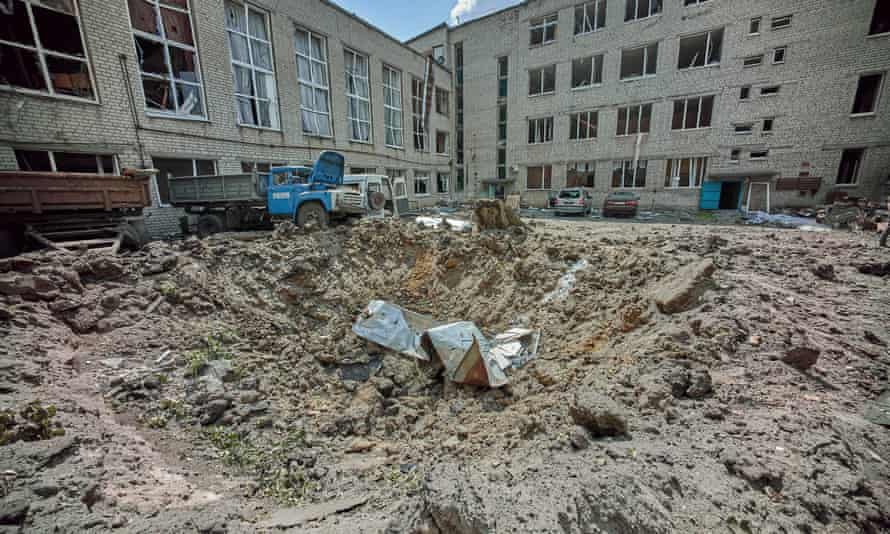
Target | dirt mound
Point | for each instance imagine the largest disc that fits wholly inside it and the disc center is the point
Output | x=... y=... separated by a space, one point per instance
x=234 y=355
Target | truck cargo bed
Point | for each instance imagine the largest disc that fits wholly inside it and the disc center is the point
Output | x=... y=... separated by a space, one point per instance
x=24 y=192
x=205 y=190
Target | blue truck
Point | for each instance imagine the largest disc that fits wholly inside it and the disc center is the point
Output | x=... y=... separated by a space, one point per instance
x=249 y=201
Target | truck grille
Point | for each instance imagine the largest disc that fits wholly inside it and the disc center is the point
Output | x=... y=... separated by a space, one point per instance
x=351 y=201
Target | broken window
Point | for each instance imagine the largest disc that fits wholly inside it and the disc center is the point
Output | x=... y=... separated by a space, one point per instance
x=421 y=183
x=634 y=119
x=734 y=155
x=503 y=71
x=167 y=58
x=587 y=71
x=502 y=164
x=851 y=161
x=701 y=49
x=358 y=96
x=581 y=174
x=502 y=123
x=442 y=182
x=754 y=26
x=590 y=16
x=259 y=166
x=312 y=75
x=770 y=90
x=540 y=130
x=251 y=52
x=779 y=55
x=693 y=113
x=627 y=176
x=767 y=126
x=641 y=9
x=759 y=154
x=685 y=172
x=880 y=19
x=745 y=93
x=418 y=111
x=639 y=62
x=52 y=61
x=779 y=23
x=175 y=168
x=392 y=106
x=441 y=142
x=867 y=91
x=583 y=125
x=52 y=161
x=752 y=61
x=442 y=97
x=744 y=129
x=543 y=30
x=539 y=177
x=542 y=81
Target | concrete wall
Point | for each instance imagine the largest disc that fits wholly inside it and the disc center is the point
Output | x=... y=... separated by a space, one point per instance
x=108 y=126
x=827 y=49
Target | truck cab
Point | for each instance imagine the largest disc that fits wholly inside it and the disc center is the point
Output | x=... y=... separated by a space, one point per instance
x=379 y=193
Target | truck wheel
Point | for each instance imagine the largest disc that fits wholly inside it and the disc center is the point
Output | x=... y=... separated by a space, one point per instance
x=210 y=224
x=312 y=212
x=10 y=243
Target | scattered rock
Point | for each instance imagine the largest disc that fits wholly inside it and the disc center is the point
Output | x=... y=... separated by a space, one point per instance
x=598 y=413
x=293 y=517
x=825 y=271
x=681 y=291
x=801 y=358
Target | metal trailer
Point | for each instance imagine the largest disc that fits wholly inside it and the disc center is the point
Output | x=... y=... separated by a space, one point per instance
x=71 y=211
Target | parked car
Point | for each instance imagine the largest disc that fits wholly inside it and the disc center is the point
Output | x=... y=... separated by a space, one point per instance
x=621 y=203
x=574 y=200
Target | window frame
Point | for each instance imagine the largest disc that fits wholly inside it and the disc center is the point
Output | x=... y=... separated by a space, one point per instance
x=364 y=101
x=778 y=89
x=447 y=107
x=708 y=48
x=421 y=176
x=590 y=173
x=747 y=128
x=41 y=53
x=447 y=183
x=499 y=167
x=503 y=77
x=698 y=169
x=51 y=156
x=592 y=125
x=645 y=65
x=746 y=61
x=627 y=119
x=688 y=3
x=502 y=122
x=765 y=155
x=745 y=93
x=541 y=127
x=315 y=86
x=420 y=136
x=624 y=167
x=275 y=116
x=389 y=88
x=735 y=155
x=543 y=78
x=877 y=98
x=596 y=23
x=751 y=22
x=154 y=177
x=698 y=117
x=636 y=17
x=447 y=143
x=543 y=23
x=546 y=176
x=872 y=26
x=856 y=169
x=784 y=50
x=596 y=72
x=779 y=19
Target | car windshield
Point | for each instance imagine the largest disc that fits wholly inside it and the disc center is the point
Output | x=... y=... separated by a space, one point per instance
x=570 y=193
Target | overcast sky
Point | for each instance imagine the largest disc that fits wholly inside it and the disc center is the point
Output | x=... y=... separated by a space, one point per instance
x=407 y=18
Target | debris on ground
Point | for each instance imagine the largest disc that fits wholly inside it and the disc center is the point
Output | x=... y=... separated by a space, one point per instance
x=495 y=215
x=457 y=225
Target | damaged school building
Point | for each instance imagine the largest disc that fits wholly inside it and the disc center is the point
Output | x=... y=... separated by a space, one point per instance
x=693 y=104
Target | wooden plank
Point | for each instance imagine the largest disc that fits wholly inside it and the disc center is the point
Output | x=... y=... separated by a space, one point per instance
x=30 y=232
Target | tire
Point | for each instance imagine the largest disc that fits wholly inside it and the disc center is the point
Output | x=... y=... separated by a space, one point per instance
x=312 y=212
x=210 y=224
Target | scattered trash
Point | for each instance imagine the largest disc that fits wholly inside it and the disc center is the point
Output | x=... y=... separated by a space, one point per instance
x=784 y=221
x=435 y=222
x=566 y=282
x=467 y=355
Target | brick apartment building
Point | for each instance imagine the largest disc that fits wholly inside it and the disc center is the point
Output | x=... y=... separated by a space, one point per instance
x=672 y=98
x=661 y=96
x=198 y=87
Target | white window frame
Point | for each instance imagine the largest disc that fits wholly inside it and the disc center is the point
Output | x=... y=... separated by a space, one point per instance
x=772 y=126
x=708 y=48
x=54 y=168
x=627 y=121
x=41 y=53
x=636 y=3
x=315 y=85
x=501 y=168
x=779 y=20
x=674 y=165
x=878 y=92
x=542 y=23
x=687 y=3
x=447 y=143
x=747 y=128
x=542 y=126
x=272 y=98
x=645 y=49
x=590 y=11
x=350 y=62
x=542 y=188
x=856 y=170
x=633 y=176
x=778 y=89
x=418 y=128
x=422 y=176
x=447 y=108
x=592 y=125
x=698 y=125
x=758 y=21
x=752 y=157
x=541 y=85
x=747 y=61
x=392 y=93
x=595 y=59
x=447 y=183
x=776 y=50
x=171 y=79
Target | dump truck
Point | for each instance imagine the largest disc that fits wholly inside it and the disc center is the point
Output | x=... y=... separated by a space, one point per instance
x=245 y=201
x=66 y=211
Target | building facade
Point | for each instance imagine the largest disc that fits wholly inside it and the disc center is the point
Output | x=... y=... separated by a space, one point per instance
x=690 y=103
x=198 y=87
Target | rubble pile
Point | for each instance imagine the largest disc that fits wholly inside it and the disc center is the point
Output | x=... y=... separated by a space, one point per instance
x=675 y=368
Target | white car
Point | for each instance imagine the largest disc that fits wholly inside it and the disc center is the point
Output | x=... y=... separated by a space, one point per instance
x=573 y=200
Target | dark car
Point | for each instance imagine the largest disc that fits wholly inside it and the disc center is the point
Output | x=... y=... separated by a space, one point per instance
x=621 y=203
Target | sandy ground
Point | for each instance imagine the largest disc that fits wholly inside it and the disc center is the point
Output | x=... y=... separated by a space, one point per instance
x=689 y=379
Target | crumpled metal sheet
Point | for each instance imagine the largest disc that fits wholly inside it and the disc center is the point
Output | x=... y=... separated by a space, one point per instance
x=394 y=327
x=466 y=354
